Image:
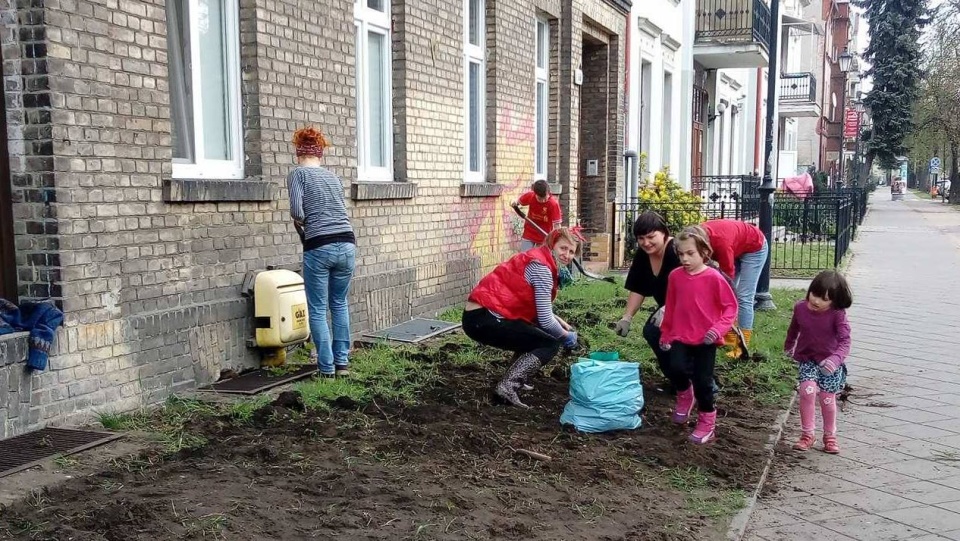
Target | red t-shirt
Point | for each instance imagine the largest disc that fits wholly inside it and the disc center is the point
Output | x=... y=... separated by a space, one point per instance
x=543 y=214
x=731 y=240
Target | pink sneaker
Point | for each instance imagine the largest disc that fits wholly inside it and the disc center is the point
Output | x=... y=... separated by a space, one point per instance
x=705 y=432
x=805 y=442
x=830 y=445
x=685 y=402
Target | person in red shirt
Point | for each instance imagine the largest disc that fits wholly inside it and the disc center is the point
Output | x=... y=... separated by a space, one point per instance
x=741 y=250
x=700 y=309
x=512 y=309
x=543 y=210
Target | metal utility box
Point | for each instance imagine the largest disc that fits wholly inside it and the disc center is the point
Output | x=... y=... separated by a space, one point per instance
x=280 y=309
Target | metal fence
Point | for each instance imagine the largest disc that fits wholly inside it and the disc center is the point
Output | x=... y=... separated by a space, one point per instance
x=808 y=234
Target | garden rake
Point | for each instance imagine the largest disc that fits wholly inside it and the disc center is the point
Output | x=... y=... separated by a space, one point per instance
x=576 y=261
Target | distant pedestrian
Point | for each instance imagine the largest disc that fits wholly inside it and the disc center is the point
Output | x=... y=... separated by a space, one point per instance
x=543 y=209
x=700 y=309
x=819 y=340
x=329 y=249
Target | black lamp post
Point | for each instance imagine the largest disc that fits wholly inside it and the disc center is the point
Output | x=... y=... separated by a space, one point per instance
x=764 y=301
x=858 y=106
x=845 y=60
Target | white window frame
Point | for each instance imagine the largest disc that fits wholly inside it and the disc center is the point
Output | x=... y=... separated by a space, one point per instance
x=367 y=20
x=202 y=168
x=475 y=54
x=541 y=138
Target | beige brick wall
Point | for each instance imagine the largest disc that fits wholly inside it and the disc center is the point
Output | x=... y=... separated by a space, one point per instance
x=151 y=288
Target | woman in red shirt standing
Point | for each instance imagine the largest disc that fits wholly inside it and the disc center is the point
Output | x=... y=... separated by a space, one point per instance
x=512 y=309
x=741 y=250
x=700 y=309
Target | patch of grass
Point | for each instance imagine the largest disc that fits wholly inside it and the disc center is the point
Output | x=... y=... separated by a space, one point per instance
x=243 y=410
x=723 y=504
x=921 y=194
x=65 y=462
x=453 y=315
x=800 y=260
x=394 y=373
x=687 y=479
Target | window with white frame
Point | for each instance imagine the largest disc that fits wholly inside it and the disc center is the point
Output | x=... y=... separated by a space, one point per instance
x=542 y=117
x=474 y=60
x=374 y=85
x=203 y=46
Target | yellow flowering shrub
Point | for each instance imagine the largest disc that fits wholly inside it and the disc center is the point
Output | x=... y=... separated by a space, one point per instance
x=664 y=195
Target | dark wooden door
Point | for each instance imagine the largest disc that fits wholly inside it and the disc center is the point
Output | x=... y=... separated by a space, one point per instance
x=699 y=121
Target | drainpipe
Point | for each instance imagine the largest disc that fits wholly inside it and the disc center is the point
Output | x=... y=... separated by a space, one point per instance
x=757 y=142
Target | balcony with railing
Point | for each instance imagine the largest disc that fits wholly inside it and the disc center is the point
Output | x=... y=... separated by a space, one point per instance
x=732 y=33
x=798 y=95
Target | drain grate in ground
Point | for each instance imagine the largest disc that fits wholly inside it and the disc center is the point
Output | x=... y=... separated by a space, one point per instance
x=413 y=331
x=261 y=379
x=29 y=450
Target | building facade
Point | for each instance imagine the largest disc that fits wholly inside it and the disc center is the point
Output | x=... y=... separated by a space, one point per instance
x=149 y=142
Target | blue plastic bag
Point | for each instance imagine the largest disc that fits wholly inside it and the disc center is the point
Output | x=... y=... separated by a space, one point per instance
x=604 y=396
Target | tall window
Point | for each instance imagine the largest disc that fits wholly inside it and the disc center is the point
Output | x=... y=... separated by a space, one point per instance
x=474 y=52
x=667 y=119
x=374 y=84
x=542 y=123
x=203 y=46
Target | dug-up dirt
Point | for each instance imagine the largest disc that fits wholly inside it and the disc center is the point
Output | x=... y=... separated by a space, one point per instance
x=447 y=468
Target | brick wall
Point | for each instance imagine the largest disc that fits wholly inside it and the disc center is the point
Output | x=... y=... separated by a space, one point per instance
x=151 y=286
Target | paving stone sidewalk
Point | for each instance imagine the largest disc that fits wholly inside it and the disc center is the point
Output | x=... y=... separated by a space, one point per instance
x=898 y=474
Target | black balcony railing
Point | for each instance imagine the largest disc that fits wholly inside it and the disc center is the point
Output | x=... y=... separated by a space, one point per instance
x=798 y=87
x=733 y=21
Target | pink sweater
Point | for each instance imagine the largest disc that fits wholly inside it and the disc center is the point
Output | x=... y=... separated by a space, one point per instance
x=818 y=336
x=696 y=304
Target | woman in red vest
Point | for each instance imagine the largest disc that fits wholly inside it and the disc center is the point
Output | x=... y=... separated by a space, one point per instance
x=512 y=309
x=741 y=250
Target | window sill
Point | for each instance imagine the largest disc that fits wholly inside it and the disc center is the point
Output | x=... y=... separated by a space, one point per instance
x=14 y=348
x=178 y=190
x=480 y=189
x=366 y=191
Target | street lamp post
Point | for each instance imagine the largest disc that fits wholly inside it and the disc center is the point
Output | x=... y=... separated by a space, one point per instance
x=858 y=106
x=846 y=62
x=763 y=299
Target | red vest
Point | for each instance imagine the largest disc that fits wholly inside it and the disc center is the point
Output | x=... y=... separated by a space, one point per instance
x=506 y=290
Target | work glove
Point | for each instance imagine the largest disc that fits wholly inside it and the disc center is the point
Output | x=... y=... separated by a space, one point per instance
x=828 y=366
x=711 y=337
x=665 y=347
x=623 y=327
x=570 y=341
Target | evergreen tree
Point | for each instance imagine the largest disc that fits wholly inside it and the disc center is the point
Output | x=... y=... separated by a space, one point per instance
x=895 y=58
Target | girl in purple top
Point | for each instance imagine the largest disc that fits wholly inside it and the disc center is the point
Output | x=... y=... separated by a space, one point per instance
x=819 y=340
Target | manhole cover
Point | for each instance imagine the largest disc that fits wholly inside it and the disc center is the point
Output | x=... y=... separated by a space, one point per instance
x=413 y=331
x=28 y=450
x=261 y=379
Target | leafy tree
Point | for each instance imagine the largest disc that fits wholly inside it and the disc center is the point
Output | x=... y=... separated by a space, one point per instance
x=894 y=55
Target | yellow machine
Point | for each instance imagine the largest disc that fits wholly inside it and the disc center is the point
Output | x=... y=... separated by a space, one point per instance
x=280 y=313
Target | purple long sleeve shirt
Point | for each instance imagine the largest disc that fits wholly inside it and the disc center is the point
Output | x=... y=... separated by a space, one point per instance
x=818 y=336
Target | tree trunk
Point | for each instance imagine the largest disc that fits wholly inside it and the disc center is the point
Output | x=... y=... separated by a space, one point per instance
x=954 y=172
x=867 y=167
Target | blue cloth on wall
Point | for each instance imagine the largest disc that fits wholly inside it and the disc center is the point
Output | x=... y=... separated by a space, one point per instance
x=40 y=319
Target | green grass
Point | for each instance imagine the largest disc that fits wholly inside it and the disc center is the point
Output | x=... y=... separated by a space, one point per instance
x=921 y=194
x=800 y=260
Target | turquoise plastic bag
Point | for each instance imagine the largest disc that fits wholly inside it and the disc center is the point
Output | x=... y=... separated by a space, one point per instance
x=604 y=396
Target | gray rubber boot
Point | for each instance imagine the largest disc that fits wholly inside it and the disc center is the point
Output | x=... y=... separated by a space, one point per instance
x=526 y=366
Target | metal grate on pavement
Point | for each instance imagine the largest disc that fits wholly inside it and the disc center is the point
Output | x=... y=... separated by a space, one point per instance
x=28 y=450
x=259 y=380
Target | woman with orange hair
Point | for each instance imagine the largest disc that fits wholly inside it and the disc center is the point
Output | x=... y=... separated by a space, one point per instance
x=329 y=249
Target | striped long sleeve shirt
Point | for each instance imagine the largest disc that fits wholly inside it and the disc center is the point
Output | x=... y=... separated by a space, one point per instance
x=316 y=201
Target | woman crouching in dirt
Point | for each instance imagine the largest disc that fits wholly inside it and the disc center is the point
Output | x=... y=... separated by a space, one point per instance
x=512 y=309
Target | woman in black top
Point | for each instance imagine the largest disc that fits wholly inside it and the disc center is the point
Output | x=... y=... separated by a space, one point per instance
x=648 y=274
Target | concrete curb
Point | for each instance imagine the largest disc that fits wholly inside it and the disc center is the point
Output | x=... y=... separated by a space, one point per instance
x=738 y=526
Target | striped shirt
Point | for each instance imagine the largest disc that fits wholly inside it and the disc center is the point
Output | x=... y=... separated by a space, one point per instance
x=316 y=201
x=540 y=277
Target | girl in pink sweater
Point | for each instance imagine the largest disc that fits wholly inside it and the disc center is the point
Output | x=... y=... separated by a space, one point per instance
x=819 y=340
x=700 y=309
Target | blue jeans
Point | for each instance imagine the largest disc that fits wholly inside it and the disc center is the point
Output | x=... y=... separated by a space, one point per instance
x=327 y=271
x=749 y=267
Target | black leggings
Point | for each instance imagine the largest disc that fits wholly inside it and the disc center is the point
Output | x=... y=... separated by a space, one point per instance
x=694 y=363
x=509 y=334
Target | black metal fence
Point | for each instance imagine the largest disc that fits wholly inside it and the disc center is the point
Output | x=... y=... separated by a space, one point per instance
x=809 y=234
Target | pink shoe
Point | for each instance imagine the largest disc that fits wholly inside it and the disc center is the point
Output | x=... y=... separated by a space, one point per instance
x=685 y=402
x=830 y=445
x=805 y=442
x=705 y=432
